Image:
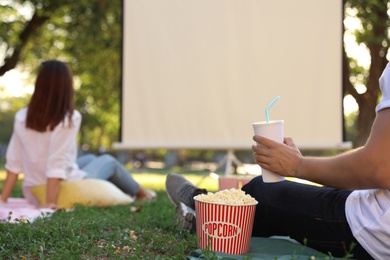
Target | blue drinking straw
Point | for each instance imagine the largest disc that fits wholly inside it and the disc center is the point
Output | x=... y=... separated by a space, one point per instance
x=269 y=106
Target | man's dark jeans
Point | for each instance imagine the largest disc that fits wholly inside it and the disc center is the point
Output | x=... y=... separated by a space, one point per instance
x=312 y=215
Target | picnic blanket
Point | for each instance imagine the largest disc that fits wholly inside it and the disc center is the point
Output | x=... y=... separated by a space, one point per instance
x=19 y=210
x=281 y=248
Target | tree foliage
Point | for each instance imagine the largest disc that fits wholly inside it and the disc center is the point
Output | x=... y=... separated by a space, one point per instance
x=87 y=34
x=84 y=33
x=374 y=35
x=8 y=107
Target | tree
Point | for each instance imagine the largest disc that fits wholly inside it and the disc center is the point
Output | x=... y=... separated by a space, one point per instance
x=374 y=35
x=17 y=31
x=8 y=108
x=87 y=33
x=84 y=33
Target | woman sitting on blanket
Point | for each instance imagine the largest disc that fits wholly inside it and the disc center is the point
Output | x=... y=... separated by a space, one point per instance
x=43 y=143
x=350 y=214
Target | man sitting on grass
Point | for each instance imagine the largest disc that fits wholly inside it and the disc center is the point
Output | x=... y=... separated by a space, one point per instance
x=352 y=209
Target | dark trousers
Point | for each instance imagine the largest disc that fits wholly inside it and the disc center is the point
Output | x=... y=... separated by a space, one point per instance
x=312 y=215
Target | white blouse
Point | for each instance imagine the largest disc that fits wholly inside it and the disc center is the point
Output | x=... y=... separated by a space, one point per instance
x=42 y=155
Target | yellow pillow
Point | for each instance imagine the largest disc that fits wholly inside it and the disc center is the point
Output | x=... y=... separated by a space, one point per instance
x=87 y=192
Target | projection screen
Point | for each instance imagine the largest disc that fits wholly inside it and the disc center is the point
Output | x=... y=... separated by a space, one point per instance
x=198 y=73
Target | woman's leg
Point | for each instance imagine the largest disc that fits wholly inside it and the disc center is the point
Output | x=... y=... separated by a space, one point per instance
x=106 y=167
x=312 y=215
x=83 y=160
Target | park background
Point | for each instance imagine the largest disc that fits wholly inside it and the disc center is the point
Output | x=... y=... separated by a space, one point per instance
x=87 y=34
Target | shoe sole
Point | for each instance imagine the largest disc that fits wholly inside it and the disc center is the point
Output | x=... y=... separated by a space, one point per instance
x=185 y=218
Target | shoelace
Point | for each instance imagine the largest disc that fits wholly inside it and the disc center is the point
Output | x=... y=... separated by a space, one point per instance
x=186 y=194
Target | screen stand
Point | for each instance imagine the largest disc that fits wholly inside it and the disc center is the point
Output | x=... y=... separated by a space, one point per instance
x=228 y=161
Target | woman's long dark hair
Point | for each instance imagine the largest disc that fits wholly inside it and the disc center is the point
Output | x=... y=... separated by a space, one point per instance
x=52 y=99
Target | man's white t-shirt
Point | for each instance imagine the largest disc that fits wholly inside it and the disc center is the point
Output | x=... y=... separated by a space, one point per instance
x=368 y=211
x=42 y=155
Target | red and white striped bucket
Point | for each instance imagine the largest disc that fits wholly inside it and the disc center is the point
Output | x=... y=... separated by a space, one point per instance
x=245 y=181
x=232 y=182
x=228 y=183
x=224 y=228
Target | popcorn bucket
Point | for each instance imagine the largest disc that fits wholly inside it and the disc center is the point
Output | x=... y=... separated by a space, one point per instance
x=224 y=228
x=228 y=183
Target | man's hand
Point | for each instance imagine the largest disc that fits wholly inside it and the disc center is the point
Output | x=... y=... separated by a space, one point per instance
x=283 y=159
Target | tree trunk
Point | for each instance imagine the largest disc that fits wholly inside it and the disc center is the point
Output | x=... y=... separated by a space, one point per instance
x=32 y=26
x=364 y=123
x=368 y=101
x=375 y=37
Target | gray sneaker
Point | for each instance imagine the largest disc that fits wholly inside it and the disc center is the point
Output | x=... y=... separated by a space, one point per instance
x=185 y=218
x=181 y=193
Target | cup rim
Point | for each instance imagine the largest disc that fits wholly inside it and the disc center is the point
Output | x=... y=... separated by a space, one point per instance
x=238 y=177
x=224 y=204
x=269 y=122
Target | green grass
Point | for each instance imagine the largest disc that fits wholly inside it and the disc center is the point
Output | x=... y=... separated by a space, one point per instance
x=105 y=233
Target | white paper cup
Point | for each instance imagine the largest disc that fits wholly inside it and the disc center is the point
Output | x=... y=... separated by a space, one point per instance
x=224 y=228
x=273 y=130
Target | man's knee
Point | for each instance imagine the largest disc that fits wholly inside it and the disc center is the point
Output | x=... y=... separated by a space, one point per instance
x=253 y=185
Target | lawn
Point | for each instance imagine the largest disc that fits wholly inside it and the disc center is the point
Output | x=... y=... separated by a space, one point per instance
x=106 y=233
x=141 y=230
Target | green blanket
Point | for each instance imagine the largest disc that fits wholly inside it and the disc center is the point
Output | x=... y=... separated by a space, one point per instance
x=281 y=248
